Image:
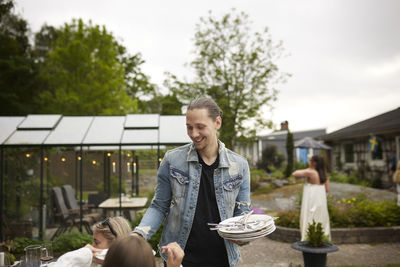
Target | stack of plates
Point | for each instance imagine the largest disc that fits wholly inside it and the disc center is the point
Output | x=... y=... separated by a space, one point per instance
x=246 y=229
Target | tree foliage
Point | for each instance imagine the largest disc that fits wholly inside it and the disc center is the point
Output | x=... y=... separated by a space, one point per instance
x=234 y=67
x=270 y=157
x=83 y=73
x=18 y=72
x=289 y=151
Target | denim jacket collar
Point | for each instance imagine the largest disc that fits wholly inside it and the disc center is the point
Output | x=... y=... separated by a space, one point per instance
x=223 y=155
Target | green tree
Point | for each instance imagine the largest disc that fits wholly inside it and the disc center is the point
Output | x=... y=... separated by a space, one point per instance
x=83 y=72
x=163 y=104
x=18 y=72
x=236 y=68
x=289 y=151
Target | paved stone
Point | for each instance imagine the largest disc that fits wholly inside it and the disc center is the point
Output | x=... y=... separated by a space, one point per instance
x=267 y=252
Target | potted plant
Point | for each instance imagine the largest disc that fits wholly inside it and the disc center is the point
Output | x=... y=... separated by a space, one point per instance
x=316 y=247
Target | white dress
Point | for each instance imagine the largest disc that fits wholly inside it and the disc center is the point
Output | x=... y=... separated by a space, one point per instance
x=314 y=206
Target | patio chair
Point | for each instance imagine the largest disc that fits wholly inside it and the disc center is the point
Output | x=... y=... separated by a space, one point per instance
x=69 y=218
x=72 y=203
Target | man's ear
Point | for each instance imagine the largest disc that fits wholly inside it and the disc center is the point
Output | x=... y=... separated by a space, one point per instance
x=218 y=122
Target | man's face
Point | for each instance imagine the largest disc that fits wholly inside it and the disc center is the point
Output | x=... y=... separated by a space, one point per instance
x=202 y=129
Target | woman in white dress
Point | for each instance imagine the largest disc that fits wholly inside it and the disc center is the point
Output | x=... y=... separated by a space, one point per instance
x=314 y=204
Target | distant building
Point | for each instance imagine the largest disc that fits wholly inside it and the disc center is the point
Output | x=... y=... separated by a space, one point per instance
x=253 y=151
x=369 y=145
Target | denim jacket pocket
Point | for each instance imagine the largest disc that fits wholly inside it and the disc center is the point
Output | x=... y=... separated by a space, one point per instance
x=231 y=190
x=179 y=182
x=232 y=183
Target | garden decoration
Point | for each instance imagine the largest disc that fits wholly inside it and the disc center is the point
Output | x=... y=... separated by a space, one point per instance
x=315 y=248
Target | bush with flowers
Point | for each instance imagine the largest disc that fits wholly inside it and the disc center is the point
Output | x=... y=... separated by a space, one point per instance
x=357 y=211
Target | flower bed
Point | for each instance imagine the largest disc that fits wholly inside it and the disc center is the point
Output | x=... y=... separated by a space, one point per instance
x=357 y=211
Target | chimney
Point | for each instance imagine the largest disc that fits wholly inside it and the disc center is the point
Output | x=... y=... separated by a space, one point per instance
x=284 y=126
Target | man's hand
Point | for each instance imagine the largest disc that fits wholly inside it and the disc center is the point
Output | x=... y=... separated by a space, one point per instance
x=238 y=242
x=175 y=254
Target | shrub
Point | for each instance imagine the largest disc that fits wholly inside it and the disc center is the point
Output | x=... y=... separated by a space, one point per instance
x=155 y=239
x=19 y=243
x=263 y=190
x=270 y=158
x=315 y=234
x=71 y=241
x=354 y=212
x=288 y=218
x=278 y=174
x=256 y=175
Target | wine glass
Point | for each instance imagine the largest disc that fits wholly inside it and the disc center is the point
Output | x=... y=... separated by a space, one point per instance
x=46 y=254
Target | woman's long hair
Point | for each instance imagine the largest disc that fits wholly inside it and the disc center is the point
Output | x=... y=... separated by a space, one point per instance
x=131 y=251
x=320 y=168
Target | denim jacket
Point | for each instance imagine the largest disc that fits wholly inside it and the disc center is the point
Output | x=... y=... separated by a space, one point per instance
x=177 y=191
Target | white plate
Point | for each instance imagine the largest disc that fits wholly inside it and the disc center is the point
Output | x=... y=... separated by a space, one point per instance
x=264 y=221
x=252 y=238
x=245 y=235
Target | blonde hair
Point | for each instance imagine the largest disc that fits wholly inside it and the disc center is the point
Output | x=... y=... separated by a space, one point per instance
x=120 y=226
x=396 y=175
x=131 y=251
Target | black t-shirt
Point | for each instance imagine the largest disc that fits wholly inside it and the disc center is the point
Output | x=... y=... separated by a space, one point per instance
x=205 y=248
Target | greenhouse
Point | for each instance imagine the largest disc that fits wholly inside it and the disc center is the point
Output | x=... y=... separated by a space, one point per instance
x=90 y=154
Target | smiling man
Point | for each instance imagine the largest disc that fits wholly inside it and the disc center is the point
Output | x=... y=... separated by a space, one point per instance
x=199 y=183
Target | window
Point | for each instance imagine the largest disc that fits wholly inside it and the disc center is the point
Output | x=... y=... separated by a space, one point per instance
x=377 y=153
x=348 y=153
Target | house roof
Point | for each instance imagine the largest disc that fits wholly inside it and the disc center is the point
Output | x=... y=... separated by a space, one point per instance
x=281 y=135
x=382 y=124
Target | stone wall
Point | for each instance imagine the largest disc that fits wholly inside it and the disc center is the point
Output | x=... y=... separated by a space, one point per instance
x=345 y=235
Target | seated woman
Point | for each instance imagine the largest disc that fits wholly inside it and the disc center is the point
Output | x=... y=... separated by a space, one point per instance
x=104 y=234
x=134 y=251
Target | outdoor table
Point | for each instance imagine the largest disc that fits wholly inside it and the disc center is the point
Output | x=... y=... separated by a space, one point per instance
x=127 y=204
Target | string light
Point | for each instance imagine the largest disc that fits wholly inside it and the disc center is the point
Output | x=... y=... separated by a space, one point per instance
x=63 y=159
x=129 y=154
x=79 y=158
x=27 y=155
x=108 y=154
x=94 y=162
x=159 y=159
x=46 y=158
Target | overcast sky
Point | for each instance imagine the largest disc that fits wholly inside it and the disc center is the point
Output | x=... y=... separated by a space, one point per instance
x=344 y=55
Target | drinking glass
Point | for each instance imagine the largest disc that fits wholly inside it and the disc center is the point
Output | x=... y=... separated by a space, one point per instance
x=32 y=254
x=46 y=254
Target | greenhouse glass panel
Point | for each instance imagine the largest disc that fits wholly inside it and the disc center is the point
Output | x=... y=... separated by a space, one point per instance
x=105 y=130
x=173 y=130
x=8 y=125
x=35 y=137
x=70 y=130
x=140 y=137
x=142 y=121
x=40 y=122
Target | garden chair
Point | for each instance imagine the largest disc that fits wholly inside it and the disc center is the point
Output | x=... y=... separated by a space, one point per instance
x=72 y=203
x=69 y=218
